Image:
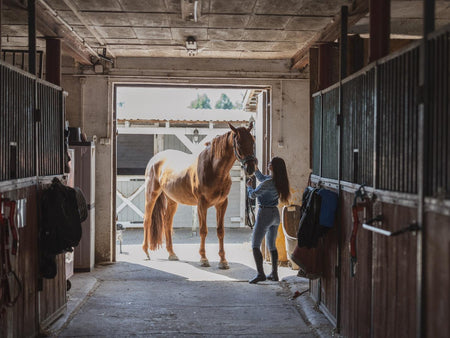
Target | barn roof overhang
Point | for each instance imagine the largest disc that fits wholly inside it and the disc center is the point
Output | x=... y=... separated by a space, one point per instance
x=94 y=31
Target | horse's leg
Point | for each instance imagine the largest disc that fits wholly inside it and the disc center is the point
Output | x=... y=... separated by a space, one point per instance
x=220 y=212
x=201 y=210
x=152 y=192
x=168 y=227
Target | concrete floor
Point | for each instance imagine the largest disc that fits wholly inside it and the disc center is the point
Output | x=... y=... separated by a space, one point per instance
x=161 y=298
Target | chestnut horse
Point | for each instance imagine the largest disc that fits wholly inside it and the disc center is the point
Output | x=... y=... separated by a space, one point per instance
x=174 y=177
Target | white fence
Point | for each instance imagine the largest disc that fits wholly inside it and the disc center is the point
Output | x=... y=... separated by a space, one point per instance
x=130 y=199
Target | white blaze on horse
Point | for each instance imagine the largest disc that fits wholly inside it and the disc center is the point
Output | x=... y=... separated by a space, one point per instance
x=174 y=177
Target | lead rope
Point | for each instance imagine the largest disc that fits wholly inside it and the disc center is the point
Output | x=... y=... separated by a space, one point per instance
x=250 y=213
x=249 y=207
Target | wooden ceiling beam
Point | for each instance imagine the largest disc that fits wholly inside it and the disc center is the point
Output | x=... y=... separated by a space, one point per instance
x=49 y=25
x=331 y=32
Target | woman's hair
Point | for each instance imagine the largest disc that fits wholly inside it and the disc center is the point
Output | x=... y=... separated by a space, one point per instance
x=280 y=178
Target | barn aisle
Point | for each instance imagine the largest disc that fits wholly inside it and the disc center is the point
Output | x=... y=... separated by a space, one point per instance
x=137 y=297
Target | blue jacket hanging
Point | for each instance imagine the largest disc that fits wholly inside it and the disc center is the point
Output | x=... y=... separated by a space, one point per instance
x=329 y=203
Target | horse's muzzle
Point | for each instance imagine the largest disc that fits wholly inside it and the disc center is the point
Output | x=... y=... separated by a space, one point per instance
x=250 y=167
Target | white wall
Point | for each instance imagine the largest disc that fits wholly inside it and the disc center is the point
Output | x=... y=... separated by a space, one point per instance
x=88 y=107
x=290 y=119
x=290 y=138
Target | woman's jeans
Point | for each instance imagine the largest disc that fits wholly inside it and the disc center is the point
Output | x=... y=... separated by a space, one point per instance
x=267 y=222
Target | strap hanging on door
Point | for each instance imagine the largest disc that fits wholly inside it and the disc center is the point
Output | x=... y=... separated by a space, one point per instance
x=7 y=275
x=357 y=207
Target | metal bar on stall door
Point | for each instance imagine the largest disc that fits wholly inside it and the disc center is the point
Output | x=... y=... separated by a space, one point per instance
x=321 y=135
x=376 y=137
x=342 y=74
x=62 y=152
x=32 y=70
x=375 y=126
x=1 y=1
x=422 y=172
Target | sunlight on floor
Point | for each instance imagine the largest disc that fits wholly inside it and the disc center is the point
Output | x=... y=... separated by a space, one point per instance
x=238 y=255
x=189 y=264
x=188 y=271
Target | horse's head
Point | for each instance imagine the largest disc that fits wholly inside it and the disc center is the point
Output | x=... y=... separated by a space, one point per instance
x=244 y=147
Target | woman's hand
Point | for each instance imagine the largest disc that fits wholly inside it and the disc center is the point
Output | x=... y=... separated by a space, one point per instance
x=249 y=182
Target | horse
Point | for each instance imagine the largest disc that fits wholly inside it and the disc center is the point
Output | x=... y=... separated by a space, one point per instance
x=173 y=177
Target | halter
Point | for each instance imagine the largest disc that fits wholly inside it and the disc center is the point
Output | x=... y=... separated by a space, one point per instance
x=240 y=159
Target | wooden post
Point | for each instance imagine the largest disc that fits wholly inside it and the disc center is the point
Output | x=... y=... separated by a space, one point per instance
x=379 y=23
x=32 y=36
x=53 y=61
x=313 y=87
x=355 y=54
x=326 y=62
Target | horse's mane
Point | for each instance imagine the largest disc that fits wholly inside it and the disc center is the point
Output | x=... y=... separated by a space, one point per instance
x=219 y=144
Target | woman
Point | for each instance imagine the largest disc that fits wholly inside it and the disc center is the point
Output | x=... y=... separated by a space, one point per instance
x=273 y=187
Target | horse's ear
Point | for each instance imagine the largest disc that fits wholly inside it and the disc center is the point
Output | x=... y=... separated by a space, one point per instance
x=232 y=128
x=250 y=127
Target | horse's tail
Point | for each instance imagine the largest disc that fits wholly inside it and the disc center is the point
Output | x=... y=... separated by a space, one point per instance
x=157 y=226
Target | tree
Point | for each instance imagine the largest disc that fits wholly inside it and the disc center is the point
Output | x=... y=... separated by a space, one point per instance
x=238 y=105
x=224 y=102
x=202 y=102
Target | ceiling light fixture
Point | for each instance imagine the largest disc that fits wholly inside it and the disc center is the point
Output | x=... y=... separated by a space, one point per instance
x=191 y=46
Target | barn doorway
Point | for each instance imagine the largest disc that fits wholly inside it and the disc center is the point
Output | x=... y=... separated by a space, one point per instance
x=150 y=119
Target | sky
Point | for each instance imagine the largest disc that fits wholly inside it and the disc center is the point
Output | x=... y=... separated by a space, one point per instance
x=149 y=99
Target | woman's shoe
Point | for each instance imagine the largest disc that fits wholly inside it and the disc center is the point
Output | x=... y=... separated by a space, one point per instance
x=257 y=278
x=273 y=276
x=257 y=255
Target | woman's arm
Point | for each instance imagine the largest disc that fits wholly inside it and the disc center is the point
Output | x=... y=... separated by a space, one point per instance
x=260 y=176
x=259 y=190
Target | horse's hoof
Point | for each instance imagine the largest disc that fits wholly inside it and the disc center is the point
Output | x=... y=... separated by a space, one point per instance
x=205 y=263
x=173 y=257
x=224 y=265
